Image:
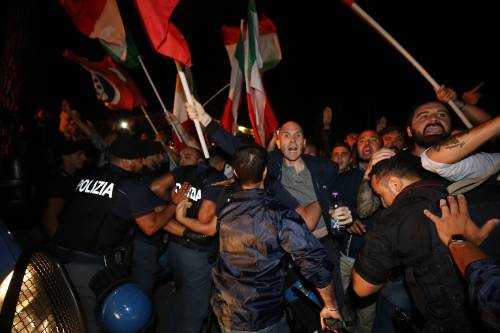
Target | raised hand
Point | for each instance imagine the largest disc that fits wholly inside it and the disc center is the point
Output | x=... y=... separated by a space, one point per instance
x=472 y=96
x=455 y=219
x=445 y=94
x=180 y=194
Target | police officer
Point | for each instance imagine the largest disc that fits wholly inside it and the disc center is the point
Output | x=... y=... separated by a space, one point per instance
x=147 y=248
x=94 y=235
x=62 y=183
x=191 y=255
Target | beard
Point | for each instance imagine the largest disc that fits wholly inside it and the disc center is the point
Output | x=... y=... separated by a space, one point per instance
x=427 y=141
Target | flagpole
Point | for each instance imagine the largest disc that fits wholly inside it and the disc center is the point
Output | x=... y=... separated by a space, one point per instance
x=163 y=144
x=371 y=22
x=189 y=98
x=157 y=94
x=153 y=126
x=216 y=94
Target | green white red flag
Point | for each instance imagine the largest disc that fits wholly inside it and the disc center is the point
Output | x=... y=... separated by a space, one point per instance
x=179 y=110
x=233 y=40
x=261 y=114
x=271 y=55
x=101 y=19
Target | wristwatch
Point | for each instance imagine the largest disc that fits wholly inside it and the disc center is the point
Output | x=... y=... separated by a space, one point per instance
x=456 y=239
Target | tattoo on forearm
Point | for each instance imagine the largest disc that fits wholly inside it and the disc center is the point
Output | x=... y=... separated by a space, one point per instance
x=367 y=201
x=451 y=142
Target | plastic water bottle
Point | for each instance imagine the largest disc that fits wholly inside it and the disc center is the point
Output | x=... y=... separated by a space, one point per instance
x=336 y=203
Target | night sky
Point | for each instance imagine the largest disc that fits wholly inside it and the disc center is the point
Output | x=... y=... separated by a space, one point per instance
x=330 y=57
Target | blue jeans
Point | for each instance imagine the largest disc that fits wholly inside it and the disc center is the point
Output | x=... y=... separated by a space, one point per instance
x=193 y=283
x=280 y=327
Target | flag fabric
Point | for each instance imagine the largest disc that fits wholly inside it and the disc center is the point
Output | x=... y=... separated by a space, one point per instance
x=99 y=19
x=260 y=112
x=114 y=87
x=164 y=36
x=233 y=40
x=179 y=110
x=271 y=55
x=132 y=57
x=270 y=49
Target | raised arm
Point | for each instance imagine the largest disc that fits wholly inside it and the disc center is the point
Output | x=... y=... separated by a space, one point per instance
x=90 y=132
x=461 y=145
x=475 y=114
x=223 y=139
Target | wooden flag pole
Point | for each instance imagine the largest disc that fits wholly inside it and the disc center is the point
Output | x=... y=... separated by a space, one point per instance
x=371 y=22
x=157 y=95
x=189 y=98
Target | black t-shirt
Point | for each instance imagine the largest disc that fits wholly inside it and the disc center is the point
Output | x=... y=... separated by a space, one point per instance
x=402 y=234
x=88 y=224
x=201 y=179
x=61 y=185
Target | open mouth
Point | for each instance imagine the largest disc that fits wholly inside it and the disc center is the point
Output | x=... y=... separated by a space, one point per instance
x=433 y=129
x=367 y=151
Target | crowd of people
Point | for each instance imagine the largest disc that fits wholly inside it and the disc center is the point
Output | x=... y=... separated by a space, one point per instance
x=390 y=230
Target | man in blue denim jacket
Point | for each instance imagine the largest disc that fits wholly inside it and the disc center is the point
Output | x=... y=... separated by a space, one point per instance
x=256 y=235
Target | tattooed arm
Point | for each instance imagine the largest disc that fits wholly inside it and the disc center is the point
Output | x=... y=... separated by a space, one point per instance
x=367 y=201
x=457 y=147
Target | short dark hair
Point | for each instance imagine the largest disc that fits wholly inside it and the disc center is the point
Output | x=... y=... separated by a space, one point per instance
x=249 y=162
x=342 y=144
x=398 y=166
x=389 y=129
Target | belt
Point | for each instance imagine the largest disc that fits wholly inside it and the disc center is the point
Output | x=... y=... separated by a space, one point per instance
x=191 y=245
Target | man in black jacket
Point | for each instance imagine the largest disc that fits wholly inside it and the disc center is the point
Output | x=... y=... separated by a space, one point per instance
x=404 y=238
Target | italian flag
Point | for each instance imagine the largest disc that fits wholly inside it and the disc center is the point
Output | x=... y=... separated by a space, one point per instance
x=101 y=19
x=271 y=55
x=233 y=41
x=179 y=112
x=261 y=114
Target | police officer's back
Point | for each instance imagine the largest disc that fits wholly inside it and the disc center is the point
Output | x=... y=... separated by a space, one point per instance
x=94 y=236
